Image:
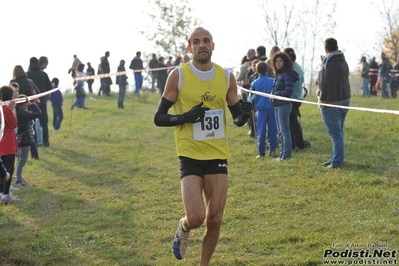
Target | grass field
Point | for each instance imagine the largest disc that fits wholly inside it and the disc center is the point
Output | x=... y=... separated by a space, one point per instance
x=107 y=192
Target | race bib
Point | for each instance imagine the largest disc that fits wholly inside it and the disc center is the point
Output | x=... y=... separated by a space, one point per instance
x=211 y=127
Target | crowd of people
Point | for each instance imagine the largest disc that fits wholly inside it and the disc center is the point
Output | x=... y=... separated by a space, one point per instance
x=157 y=68
x=380 y=77
x=276 y=118
x=26 y=119
x=20 y=134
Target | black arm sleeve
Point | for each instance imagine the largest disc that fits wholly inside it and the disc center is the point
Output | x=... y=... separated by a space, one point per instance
x=235 y=110
x=163 y=119
x=241 y=112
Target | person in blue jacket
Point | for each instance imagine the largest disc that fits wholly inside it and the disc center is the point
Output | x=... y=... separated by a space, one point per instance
x=265 y=116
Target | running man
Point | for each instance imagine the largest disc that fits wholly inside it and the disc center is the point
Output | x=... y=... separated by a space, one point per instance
x=198 y=92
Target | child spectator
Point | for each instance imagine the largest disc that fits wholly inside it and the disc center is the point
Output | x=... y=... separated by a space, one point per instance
x=80 y=90
x=8 y=143
x=265 y=116
x=56 y=100
x=27 y=112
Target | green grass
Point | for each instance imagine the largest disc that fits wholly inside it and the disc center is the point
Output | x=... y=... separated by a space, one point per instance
x=107 y=192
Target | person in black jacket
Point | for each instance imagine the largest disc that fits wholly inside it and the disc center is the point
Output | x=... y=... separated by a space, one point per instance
x=90 y=72
x=137 y=66
x=121 y=80
x=27 y=112
x=373 y=75
x=42 y=81
x=106 y=82
x=334 y=89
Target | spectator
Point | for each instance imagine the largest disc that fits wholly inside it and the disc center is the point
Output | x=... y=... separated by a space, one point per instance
x=75 y=63
x=121 y=80
x=28 y=88
x=27 y=112
x=385 y=69
x=8 y=144
x=42 y=81
x=178 y=61
x=137 y=66
x=270 y=71
x=285 y=78
x=99 y=72
x=153 y=64
x=43 y=62
x=244 y=65
x=162 y=74
x=334 y=88
x=265 y=116
x=261 y=53
x=373 y=74
x=297 y=94
x=169 y=64
x=365 y=77
x=56 y=100
x=80 y=90
x=90 y=72
x=395 y=79
x=105 y=69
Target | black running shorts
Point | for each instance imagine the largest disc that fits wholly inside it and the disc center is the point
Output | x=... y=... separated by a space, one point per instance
x=200 y=168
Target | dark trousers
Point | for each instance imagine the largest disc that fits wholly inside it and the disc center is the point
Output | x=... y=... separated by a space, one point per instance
x=43 y=118
x=8 y=161
x=373 y=81
x=295 y=127
x=90 y=85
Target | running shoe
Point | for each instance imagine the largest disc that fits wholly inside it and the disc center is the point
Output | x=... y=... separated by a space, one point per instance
x=180 y=242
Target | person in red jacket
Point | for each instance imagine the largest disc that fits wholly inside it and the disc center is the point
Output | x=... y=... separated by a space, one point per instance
x=8 y=142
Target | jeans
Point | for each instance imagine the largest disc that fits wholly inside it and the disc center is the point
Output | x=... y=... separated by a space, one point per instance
x=80 y=101
x=334 y=119
x=57 y=117
x=121 y=96
x=384 y=88
x=22 y=157
x=266 y=122
x=138 y=78
x=38 y=132
x=365 y=88
x=283 y=125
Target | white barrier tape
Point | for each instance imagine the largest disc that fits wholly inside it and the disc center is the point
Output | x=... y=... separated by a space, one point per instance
x=322 y=104
x=21 y=100
x=107 y=75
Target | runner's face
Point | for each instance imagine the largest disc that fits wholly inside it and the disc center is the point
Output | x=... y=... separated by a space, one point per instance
x=201 y=46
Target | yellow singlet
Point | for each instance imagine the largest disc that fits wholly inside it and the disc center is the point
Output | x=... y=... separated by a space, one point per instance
x=203 y=140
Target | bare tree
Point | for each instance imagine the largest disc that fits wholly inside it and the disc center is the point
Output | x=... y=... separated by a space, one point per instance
x=171 y=20
x=316 y=22
x=304 y=25
x=278 y=22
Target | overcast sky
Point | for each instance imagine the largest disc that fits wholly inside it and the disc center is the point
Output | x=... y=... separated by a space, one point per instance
x=59 y=29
